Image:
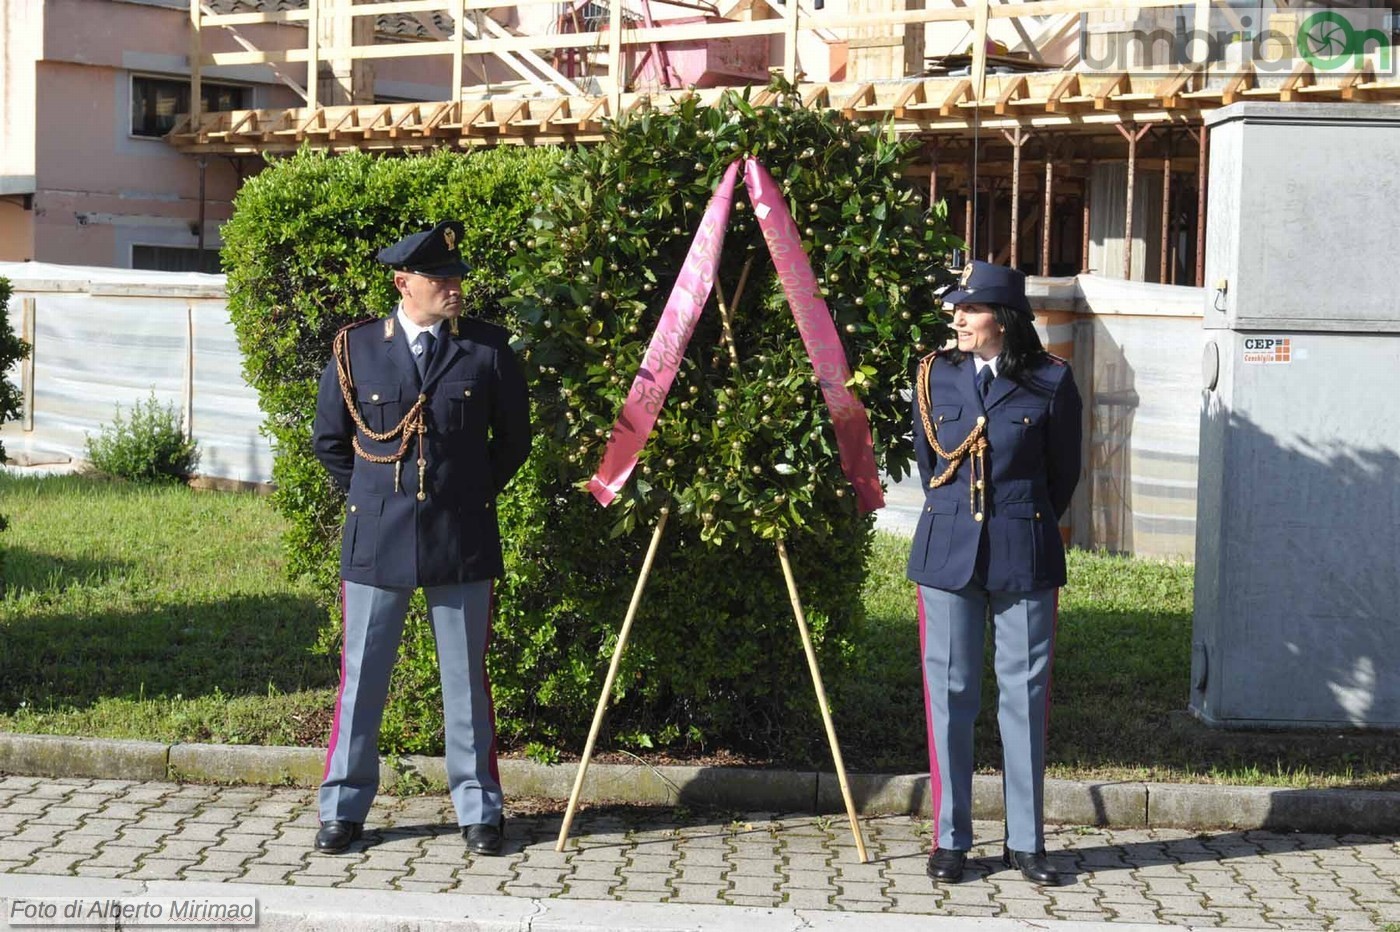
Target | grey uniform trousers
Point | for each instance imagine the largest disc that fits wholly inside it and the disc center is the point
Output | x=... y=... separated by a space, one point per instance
x=952 y=628
x=374 y=617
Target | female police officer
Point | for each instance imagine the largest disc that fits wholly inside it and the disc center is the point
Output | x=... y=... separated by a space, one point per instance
x=997 y=437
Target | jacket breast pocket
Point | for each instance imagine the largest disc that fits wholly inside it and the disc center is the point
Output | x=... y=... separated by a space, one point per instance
x=1026 y=418
x=933 y=539
x=380 y=405
x=940 y=414
x=466 y=402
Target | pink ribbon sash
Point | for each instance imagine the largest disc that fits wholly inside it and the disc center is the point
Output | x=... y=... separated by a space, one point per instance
x=667 y=346
x=673 y=332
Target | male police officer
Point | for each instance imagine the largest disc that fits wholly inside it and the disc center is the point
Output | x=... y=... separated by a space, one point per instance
x=423 y=418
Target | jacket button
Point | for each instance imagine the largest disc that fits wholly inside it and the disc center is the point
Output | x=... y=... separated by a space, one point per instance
x=422 y=496
x=488 y=506
x=1025 y=420
x=354 y=507
x=373 y=397
x=981 y=419
x=422 y=399
x=468 y=393
x=977 y=517
x=1037 y=516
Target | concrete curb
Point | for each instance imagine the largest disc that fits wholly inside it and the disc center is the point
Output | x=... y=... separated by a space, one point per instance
x=1118 y=805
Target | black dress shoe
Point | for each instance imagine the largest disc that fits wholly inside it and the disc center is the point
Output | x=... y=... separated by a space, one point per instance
x=1033 y=865
x=947 y=864
x=485 y=837
x=337 y=835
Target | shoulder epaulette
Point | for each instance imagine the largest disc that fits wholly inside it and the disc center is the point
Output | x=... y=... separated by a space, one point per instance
x=359 y=323
x=1057 y=360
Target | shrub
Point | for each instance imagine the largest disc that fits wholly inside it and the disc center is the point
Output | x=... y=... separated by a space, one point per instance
x=150 y=446
x=12 y=350
x=742 y=453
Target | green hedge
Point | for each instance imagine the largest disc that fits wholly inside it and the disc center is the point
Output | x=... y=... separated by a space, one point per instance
x=741 y=453
x=582 y=248
x=12 y=350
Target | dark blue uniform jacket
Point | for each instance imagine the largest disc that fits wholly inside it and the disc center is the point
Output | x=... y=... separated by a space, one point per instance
x=478 y=435
x=1032 y=468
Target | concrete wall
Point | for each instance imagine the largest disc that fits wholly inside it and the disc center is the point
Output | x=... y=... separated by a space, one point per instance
x=105 y=338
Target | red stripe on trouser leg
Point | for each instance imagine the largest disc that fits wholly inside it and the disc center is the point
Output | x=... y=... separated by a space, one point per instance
x=1050 y=666
x=340 y=692
x=486 y=680
x=935 y=774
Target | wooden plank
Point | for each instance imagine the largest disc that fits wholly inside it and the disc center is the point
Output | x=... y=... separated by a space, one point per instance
x=472 y=113
x=914 y=93
x=459 y=35
x=248 y=116
x=1302 y=75
x=398 y=127
x=961 y=91
x=332 y=129
x=438 y=116
x=507 y=114
x=591 y=119
x=313 y=40
x=1067 y=87
x=1351 y=82
x=790 y=12
x=864 y=94
x=196 y=56
x=1242 y=78
x=545 y=112
x=1106 y=90
x=1016 y=88
x=979 y=48
x=614 y=62
x=1169 y=88
x=27 y=329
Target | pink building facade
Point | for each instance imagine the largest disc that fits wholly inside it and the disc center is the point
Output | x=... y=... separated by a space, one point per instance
x=87 y=89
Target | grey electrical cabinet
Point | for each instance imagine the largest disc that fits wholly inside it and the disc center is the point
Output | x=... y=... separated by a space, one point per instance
x=1297 y=601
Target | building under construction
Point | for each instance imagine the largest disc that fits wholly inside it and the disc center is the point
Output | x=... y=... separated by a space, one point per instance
x=1066 y=135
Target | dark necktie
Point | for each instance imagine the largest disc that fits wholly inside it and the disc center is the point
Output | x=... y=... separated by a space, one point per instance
x=424 y=354
x=984 y=381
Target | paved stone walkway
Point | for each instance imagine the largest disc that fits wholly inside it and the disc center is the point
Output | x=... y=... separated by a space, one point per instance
x=262 y=835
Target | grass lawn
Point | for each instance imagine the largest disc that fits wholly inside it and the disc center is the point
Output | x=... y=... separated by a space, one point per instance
x=162 y=614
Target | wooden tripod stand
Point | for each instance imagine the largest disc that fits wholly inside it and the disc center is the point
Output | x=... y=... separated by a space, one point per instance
x=617 y=662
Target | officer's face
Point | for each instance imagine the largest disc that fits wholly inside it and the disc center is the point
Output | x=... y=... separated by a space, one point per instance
x=977 y=329
x=426 y=300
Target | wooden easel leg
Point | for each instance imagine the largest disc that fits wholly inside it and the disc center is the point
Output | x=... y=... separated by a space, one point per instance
x=611 y=678
x=821 y=699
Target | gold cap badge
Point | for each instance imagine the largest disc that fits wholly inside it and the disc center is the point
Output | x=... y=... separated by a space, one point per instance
x=966 y=275
x=450 y=238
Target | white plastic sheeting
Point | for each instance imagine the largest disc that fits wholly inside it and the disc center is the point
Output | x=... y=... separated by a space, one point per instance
x=1136 y=352
x=108 y=338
